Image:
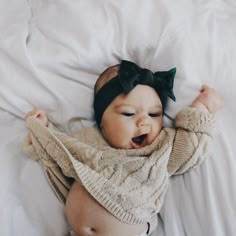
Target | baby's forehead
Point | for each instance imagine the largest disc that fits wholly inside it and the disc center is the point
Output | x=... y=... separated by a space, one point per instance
x=141 y=95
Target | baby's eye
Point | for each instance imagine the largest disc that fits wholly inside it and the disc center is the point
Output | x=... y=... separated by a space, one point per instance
x=127 y=113
x=154 y=114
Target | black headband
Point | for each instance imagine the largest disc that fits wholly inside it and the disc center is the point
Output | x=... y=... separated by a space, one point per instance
x=130 y=75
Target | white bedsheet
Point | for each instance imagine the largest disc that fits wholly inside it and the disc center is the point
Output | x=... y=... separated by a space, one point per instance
x=51 y=52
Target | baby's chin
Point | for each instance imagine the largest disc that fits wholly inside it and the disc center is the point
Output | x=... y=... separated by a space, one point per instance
x=124 y=145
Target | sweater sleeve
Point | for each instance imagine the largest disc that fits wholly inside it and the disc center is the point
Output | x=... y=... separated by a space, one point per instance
x=191 y=145
x=56 y=178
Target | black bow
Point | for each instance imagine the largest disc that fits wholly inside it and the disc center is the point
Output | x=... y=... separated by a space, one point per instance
x=131 y=75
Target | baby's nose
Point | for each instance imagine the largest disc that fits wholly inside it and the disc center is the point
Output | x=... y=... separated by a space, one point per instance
x=143 y=121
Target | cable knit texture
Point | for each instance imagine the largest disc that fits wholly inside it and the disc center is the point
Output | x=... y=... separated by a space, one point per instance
x=130 y=184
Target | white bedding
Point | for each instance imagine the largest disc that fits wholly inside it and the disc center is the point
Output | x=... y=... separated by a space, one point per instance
x=51 y=52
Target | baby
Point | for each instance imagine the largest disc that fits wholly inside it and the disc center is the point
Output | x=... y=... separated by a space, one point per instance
x=121 y=168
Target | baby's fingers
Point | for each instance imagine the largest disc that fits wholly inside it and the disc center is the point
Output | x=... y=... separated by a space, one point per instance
x=204 y=87
x=36 y=113
x=28 y=114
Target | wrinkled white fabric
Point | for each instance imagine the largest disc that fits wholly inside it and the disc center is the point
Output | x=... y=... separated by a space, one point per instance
x=51 y=53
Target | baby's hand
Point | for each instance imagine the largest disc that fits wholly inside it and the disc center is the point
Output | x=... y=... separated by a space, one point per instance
x=39 y=114
x=208 y=100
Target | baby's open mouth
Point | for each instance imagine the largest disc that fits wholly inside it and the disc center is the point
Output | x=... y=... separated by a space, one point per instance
x=139 y=140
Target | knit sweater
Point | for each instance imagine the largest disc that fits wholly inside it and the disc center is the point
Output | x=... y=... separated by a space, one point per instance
x=129 y=183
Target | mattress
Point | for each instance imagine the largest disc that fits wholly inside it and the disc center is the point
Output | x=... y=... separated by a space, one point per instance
x=51 y=53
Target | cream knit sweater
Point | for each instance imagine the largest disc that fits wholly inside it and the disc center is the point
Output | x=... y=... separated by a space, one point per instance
x=130 y=184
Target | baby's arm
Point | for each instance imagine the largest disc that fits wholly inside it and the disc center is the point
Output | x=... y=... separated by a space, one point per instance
x=194 y=131
x=33 y=148
x=208 y=100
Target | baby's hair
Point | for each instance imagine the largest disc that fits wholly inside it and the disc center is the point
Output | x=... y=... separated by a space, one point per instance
x=106 y=76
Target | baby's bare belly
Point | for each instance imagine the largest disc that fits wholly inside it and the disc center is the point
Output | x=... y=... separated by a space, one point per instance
x=87 y=217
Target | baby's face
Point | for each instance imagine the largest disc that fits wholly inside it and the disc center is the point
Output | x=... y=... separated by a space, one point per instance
x=133 y=120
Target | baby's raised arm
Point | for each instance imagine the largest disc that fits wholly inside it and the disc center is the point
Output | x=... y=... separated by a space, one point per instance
x=194 y=131
x=208 y=100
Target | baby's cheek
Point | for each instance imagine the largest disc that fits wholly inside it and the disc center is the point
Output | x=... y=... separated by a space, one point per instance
x=157 y=130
